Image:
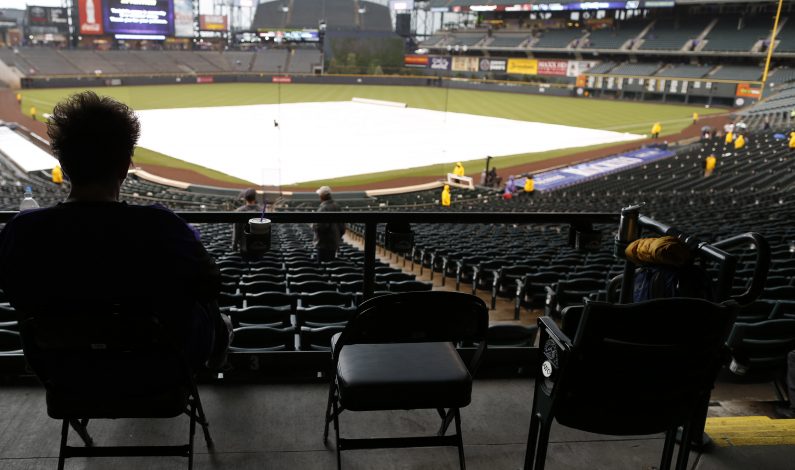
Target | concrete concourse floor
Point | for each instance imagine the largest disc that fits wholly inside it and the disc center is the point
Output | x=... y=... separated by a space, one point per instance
x=279 y=426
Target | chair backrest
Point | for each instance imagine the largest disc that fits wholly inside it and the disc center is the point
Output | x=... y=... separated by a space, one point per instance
x=10 y=342
x=106 y=360
x=328 y=297
x=318 y=339
x=262 y=339
x=262 y=286
x=417 y=317
x=409 y=286
x=276 y=317
x=763 y=346
x=310 y=286
x=659 y=356
x=324 y=315
x=272 y=299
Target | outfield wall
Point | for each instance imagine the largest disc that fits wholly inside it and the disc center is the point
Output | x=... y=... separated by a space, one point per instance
x=721 y=93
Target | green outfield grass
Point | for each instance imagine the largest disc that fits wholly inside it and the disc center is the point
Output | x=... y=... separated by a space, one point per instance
x=620 y=116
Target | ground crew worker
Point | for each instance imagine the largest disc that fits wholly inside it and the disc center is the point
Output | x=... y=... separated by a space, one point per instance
x=709 y=165
x=33 y=112
x=739 y=142
x=57 y=175
x=655 y=130
x=695 y=118
x=458 y=170
x=529 y=185
x=19 y=98
x=446 y=196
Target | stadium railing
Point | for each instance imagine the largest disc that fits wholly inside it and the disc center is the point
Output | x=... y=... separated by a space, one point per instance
x=629 y=222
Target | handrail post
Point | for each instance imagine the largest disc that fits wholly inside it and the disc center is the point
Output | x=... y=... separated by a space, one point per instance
x=370 y=229
x=628 y=232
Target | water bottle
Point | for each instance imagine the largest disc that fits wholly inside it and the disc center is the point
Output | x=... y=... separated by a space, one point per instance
x=28 y=202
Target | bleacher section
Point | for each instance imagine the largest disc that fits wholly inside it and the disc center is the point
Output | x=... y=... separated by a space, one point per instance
x=508 y=40
x=466 y=39
x=339 y=15
x=786 y=38
x=685 y=71
x=89 y=62
x=375 y=18
x=737 y=72
x=726 y=36
x=609 y=38
x=270 y=60
x=641 y=70
x=304 y=60
x=557 y=39
x=669 y=35
x=47 y=61
x=604 y=67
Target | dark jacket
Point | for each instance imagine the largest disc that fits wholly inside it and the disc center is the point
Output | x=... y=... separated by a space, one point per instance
x=328 y=235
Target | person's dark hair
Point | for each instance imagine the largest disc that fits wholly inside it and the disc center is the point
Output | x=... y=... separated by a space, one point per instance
x=250 y=195
x=93 y=136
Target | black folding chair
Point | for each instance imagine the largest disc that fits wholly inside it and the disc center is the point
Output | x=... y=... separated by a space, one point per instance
x=111 y=361
x=631 y=369
x=398 y=353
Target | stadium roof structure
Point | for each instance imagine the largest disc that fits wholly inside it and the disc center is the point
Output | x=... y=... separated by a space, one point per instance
x=544 y=5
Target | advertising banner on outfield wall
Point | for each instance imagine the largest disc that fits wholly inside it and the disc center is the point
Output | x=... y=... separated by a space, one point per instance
x=183 y=18
x=440 y=63
x=493 y=65
x=523 y=66
x=556 y=68
x=416 y=61
x=90 y=16
x=749 y=90
x=579 y=67
x=465 y=64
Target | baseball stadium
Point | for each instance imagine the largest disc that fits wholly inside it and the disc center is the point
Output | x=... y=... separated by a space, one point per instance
x=397 y=234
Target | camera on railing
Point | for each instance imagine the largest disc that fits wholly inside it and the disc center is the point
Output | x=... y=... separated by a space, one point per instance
x=256 y=240
x=398 y=237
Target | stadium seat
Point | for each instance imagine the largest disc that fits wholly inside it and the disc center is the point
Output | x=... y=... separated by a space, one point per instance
x=256 y=339
x=313 y=299
x=382 y=361
x=260 y=315
x=10 y=341
x=324 y=315
x=759 y=351
x=662 y=356
x=318 y=338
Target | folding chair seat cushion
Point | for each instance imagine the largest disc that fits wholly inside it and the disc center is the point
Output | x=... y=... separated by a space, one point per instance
x=402 y=376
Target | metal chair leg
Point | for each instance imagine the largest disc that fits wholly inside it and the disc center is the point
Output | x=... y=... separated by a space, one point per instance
x=668 y=449
x=461 y=457
x=202 y=419
x=328 y=410
x=543 y=443
x=532 y=441
x=64 y=435
x=337 y=434
x=80 y=428
x=684 y=447
x=192 y=433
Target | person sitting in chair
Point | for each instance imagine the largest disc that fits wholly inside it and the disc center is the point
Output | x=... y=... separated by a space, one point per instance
x=110 y=251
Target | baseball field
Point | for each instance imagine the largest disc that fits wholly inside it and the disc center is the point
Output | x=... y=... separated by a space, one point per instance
x=621 y=117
